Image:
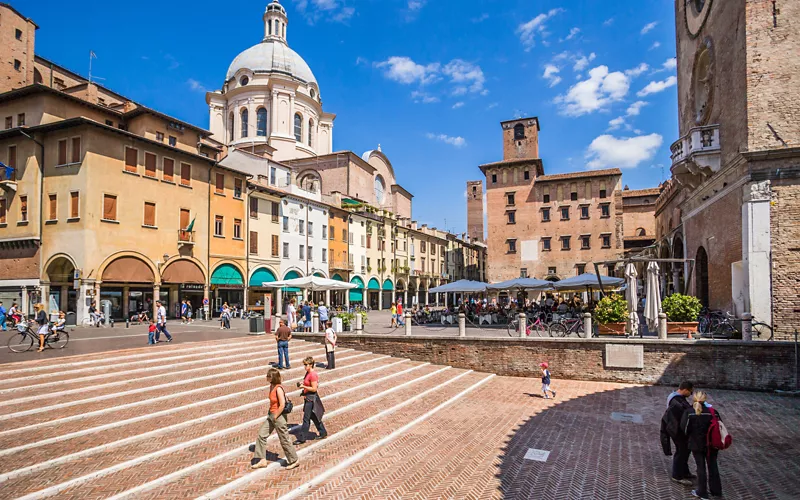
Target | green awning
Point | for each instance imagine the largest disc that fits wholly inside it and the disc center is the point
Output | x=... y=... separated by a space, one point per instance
x=357 y=281
x=336 y=277
x=357 y=294
x=227 y=274
x=388 y=285
x=290 y=276
x=352 y=203
x=373 y=284
x=262 y=275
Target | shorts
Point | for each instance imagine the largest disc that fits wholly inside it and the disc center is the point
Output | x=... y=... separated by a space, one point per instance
x=545 y=387
x=307 y=324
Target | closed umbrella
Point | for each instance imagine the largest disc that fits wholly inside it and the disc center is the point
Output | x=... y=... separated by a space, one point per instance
x=653 y=306
x=632 y=296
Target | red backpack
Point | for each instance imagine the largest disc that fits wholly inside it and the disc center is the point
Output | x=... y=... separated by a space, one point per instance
x=718 y=437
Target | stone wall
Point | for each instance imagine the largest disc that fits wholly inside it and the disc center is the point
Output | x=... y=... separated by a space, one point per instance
x=785 y=230
x=725 y=364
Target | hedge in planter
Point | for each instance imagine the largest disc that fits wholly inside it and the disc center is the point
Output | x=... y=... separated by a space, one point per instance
x=681 y=308
x=611 y=313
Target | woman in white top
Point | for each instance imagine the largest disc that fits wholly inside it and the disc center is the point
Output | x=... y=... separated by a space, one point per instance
x=330 y=346
x=291 y=316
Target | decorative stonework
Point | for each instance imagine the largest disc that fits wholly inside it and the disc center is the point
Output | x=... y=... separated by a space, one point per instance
x=695 y=15
x=703 y=82
x=758 y=191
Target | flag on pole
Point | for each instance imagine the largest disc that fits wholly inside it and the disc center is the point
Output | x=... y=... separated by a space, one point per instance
x=9 y=171
x=92 y=54
x=191 y=226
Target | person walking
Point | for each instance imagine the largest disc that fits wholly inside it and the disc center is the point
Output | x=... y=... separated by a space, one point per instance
x=330 y=346
x=276 y=421
x=400 y=320
x=312 y=405
x=283 y=335
x=291 y=315
x=306 y=315
x=189 y=312
x=43 y=324
x=151 y=333
x=183 y=312
x=2 y=317
x=671 y=429
x=161 y=322
x=695 y=424
x=393 y=323
x=546 y=380
x=323 y=315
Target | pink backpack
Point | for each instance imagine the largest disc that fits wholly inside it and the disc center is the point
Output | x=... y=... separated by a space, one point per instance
x=718 y=437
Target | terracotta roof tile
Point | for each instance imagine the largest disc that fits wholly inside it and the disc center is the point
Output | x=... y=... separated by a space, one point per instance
x=579 y=175
x=641 y=192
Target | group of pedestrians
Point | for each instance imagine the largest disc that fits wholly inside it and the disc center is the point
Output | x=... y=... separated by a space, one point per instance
x=692 y=428
x=299 y=317
x=186 y=312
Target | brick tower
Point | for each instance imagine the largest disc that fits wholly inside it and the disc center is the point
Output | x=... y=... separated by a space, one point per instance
x=475 y=210
x=520 y=139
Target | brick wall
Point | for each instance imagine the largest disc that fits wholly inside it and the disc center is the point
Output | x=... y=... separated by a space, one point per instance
x=475 y=210
x=727 y=365
x=785 y=233
x=13 y=49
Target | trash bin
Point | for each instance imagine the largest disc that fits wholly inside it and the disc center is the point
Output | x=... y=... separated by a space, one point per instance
x=256 y=324
x=337 y=324
x=72 y=319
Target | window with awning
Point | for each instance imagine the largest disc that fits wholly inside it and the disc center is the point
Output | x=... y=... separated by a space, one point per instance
x=261 y=276
x=227 y=274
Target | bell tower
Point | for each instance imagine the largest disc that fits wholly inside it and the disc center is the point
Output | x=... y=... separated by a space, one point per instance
x=521 y=139
x=275 y=21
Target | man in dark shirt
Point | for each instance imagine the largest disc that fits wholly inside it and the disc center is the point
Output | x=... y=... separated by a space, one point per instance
x=283 y=336
x=671 y=430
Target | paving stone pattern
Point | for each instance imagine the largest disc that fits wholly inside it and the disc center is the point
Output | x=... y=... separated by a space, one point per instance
x=177 y=421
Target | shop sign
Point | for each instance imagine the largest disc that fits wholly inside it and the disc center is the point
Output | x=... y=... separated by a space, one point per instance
x=192 y=287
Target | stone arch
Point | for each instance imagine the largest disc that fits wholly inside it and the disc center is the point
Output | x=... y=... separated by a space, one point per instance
x=310 y=180
x=640 y=231
x=179 y=270
x=400 y=285
x=296 y=270
x=57 y=269
x=320 y=273
x=230 y=263
x=37 y=76
x=260 y=269
x=129 y=254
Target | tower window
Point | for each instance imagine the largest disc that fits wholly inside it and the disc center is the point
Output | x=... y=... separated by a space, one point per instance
x=298 y=128
x=519 y=131
x=261 y=122
x=244 y=122
x=277 y=28
x=230 y=126
x=18 y=34
x=244 y=81
x=17 y=64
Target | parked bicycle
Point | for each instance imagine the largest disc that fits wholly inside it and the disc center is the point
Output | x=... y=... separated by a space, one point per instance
x=26 y=336
x=763 y=330
x=565 y=327
x=538 y=327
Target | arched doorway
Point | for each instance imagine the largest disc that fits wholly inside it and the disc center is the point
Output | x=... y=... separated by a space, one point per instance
x=257 y=292
x=374 y=290
x=184 y=280
x=227 y=283
x=388 y=287
x=701 y=262
x=357 y=294
x=127 y=287
x=60 y=273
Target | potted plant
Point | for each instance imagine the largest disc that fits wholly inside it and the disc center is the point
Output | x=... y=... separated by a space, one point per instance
x=610 y=315
x=682 y=312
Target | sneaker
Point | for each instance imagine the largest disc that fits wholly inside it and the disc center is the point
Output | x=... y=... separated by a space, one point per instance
x=293 y=465
x=260 y=464
x=298 y=442
x=554 y=394
x=697 y=495
x=169 y=339
x=546 y=396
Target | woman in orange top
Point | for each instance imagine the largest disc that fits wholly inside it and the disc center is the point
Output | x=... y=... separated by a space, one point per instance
x=276 y=421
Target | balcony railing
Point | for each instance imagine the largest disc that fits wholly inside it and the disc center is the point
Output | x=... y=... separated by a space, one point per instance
x=696 y=155
x=185 y=237
x=341 y=265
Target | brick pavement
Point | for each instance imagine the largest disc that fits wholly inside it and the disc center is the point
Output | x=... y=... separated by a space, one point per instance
x=166 y=429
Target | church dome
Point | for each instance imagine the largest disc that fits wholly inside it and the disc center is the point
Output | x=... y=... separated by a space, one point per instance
x=272 y=56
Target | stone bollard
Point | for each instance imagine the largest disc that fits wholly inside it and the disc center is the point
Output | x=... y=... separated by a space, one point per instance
x=587 y=325
x=747 y=326
x=407 y=321
x=462 y=325
x=523 y=325
x=662 y=326
x=314 y=322
x=359 y=324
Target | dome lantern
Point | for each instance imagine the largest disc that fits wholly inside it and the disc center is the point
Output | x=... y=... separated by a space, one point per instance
x=275 y=21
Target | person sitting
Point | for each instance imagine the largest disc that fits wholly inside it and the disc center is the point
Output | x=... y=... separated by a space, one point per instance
x=61 y=323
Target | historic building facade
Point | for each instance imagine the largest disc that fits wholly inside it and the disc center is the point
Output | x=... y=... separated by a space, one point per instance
x=732 y=201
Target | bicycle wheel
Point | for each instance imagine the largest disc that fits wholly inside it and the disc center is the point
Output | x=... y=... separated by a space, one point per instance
x=58 y=341
x=513 y=328
x=762 y=330
x=20 y=342
x=723 y=331
x=557 y=330
x=539 y=329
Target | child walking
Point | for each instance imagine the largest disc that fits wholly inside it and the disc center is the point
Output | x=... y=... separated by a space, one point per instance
x=151 y=333
x=546 y=381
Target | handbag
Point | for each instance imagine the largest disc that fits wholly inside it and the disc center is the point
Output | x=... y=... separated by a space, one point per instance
x=288 y=406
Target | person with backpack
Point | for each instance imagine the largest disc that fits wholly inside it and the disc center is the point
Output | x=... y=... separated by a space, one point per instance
x=671 y=430
x=700 y=424
x=279 y=408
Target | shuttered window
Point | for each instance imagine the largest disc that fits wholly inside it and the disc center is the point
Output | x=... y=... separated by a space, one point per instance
x=74 y=203
x=254 y=242
x=12 y=157
x=149 y=164
x=109 y=207
x=274 y=245
x=76 y=150
x=23 y=209
x=254 y=208
x=62 y=152
x=276 y=208
x=169 y=169
x=219 y=186
x=184 y=218
x=52 y=207
x=186 y=174
x=237 y=188
x=149 y=214
x=131 y=158
x=3 y=217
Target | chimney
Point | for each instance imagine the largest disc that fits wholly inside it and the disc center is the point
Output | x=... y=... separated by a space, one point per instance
x=414 y=224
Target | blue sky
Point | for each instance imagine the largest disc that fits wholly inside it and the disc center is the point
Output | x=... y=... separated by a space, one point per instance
x=429 y=80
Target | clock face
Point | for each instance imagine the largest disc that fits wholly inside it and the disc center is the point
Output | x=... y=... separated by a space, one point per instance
x=696 y=14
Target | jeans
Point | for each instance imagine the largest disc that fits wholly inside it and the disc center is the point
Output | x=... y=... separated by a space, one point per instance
x=280 y=426
x=680 y=460
x=331 y=355
x=283 y=354
x=151 y=337
x=703 y=459
x=3 y=321
x=162 y=328
x=308 y=417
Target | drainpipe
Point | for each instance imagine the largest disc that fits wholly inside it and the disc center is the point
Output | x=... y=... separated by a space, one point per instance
x=41 y=201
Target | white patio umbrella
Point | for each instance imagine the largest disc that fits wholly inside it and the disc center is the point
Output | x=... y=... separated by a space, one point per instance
x=653 y=305
x=631 y=294
x=313 y=283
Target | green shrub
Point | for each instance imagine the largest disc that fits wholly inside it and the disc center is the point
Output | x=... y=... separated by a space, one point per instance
x=681 y=308
x=611 y=309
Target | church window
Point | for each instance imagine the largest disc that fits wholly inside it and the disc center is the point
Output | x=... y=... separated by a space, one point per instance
x=310 y=132
x=244 y=122
x=519 y=131
x=244 y=81
x=261 y=122
x=298 y=128
x=277 y=28
x=230 y=126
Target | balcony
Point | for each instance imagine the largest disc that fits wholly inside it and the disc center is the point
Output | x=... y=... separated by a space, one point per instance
x=340 y=265
x=8 y=180
x=696 y=156
x=185 y=237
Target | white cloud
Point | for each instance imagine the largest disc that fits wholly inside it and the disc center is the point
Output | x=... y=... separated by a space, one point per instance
x=195 y=85
x=423 y=97
x=638 y=70
x=670 y=63
x=466 y=75
x=582 y=62
x=416 y=5
x=573 y=33
x=527 y=31
x=458 y=142
x=405 y=70
x=608 y=22
x=616 y=123
x=655 y=45
x=459 y=104
x=635 y=108
x=481 y=18
x=656 y=87
x=331 y=10
x=361 y=60
x=492 y=105
x=551 y=75
x=607 y=151
x=597 y=92
x=649 y=27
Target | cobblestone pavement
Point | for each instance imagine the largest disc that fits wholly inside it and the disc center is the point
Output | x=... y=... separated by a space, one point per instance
x=176 y=421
